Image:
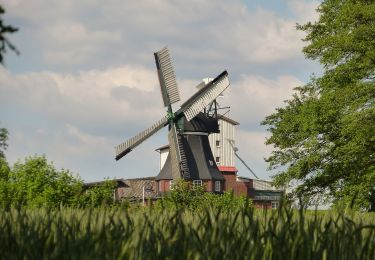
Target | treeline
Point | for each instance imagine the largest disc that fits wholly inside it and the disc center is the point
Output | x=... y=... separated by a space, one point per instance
x=35 y=182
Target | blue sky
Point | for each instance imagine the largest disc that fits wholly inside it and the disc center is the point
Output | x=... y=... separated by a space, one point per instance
x=85 y=80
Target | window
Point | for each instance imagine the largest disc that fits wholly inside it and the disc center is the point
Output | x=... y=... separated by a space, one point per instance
x=275 y=204
x=217 y=186
x=197 y=183
x=217 y=159
x=171 y=185
x=217 y=143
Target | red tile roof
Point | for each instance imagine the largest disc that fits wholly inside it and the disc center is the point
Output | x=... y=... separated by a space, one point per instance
x=227 y=169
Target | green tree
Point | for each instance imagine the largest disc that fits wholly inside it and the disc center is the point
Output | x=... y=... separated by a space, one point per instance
x=3 y=141
x=100 y=194
x=4 y=31
x=5 y=199
x=37 y=183
x=324 y=137
x=196 y=198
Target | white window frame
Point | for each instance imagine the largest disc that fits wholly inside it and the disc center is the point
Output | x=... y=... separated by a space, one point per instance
x=274 y=204
x=197 y=183
x=218 y=186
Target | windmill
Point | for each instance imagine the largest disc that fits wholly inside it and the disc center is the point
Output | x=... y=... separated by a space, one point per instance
x=190 y=157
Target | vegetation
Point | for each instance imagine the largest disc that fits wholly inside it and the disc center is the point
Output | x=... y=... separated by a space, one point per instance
x=159 y=233
x=3 y=142
x=324 y=136
x=36 y=183
x=184 y=196
x=4 y=31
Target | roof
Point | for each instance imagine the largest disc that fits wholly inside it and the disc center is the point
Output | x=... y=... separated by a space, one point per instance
x=134 y=188
x=222 y=117
x=227 y=168
x=95 y=183
x=120 y=182
x=267 y=195
x=162 y=147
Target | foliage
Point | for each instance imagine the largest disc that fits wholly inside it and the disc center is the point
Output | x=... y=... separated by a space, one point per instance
x=36 y=183
x=324 y=136
x=4 y=187
x=195 y=198
x=4 y=42
x=115 y=233
x=100 y=194
x=3 y=141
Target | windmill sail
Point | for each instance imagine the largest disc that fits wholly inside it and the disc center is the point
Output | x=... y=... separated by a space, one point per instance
x=174 y=153
x=167 y=77
x=130 y=144
x=204 y=96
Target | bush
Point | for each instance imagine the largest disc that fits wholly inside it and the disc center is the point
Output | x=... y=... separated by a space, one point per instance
x=195 y=198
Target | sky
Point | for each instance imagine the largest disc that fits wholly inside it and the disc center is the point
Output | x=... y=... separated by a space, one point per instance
x=86 y=80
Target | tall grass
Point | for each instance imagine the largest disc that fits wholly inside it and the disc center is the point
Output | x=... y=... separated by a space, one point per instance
x=160 y=233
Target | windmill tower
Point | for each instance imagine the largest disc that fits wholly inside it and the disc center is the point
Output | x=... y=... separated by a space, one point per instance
x=190 y=156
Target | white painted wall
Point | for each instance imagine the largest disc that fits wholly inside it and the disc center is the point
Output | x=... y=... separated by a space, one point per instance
x=163 y=157
x=224 y=150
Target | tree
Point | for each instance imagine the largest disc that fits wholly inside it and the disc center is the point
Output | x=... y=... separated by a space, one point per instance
x=3 y=141
x=37 y=183
x=184 y=195
x=101 y=194
x=5 y=200
x=4 y=42
x=324 y=137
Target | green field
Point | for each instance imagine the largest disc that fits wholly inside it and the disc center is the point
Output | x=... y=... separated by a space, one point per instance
x=210 y=233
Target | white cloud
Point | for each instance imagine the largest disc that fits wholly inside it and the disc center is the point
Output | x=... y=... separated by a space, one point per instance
x=253 y=151
x=304 y=10
x=89 y=97
x=89 y=34
x=262 y=37
x=253 y=97
x=72 y=42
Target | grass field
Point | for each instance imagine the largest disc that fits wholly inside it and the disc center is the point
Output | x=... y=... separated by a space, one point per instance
x=211 y=233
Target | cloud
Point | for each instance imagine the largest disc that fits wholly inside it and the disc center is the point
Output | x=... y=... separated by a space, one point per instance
x=88 y=34
x=89 y=99
x=253 y=151
x=73 y=43
x=304 y=10
x=253 y=97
